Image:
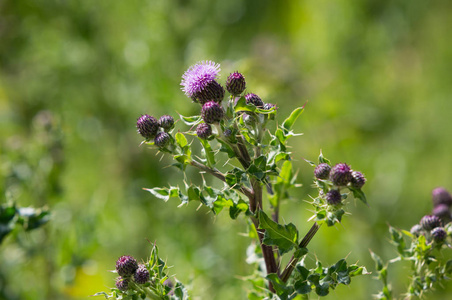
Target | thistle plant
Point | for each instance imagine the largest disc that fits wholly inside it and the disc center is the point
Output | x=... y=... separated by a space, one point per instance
x=426 y=247
x=248 y=156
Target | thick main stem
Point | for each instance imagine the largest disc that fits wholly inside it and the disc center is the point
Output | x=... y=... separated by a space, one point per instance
x=303 y=244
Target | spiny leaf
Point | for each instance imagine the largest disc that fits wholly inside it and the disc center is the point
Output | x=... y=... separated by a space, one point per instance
x=284 y=237
x=288 y=123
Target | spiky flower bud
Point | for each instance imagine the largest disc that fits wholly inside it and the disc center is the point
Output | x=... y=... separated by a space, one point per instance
x=443 y=212
x=126 y=265
x=416 y=230
x=203 y=131
x=141 y=275
x=429 y=222
x=333 y=197
x=358 y=179
x=439 y=234
x=147 y=126
x=322 y=171
x=212 y=112
x=213 y=91
x=441 y=196
x=162 y=139
x=235 y=84
x=166 y=122
x=227 y=132
x=268 y=106
x=122 y=284
x=341 y=174
x=254 y=100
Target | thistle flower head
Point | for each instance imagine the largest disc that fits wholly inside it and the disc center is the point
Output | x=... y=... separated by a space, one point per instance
x=162 y=139
x=430 y=222
x=212 y=112
x=322 y=171
x=341 y=174
x=333 y=197
x=254 y=99
x=198 y=82
x=443 y=212
x=441 y=196
x=203 y=131
x=166 y=122
x=141 y=275
x=122 y=284
x=147 y=126
x=268 y=106
x=126 y=265
x=439 y=234
x=358 y=179
x=235 y=84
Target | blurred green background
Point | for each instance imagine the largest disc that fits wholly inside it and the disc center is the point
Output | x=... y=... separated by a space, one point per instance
x=75 y=76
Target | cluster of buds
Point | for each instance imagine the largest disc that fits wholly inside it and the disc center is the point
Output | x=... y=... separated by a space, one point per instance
x=431 y=226
x=340 y=175
x=158 y=130
x=200 y=84
x=130 y=271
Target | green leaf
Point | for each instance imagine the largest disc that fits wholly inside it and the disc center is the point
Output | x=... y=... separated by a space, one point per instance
x=181 y=140
x=288 y=123
x=378 y=262
x=300 y=252
x=302 y=287
x=284 y=237
x=191 y=121
x=225 y=147
x=322 y=289
x=242 y=106
x=280 y=287
x=323 y=159
x=359 y=194
x=210 y=156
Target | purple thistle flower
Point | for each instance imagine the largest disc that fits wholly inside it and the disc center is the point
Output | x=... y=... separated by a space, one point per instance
x=166 y=122
x=203 y=131
x=122 y=284
x=199 y=82
x=341 y=174
x=268 y=106
x=441 y=196
x=358 y=179
x=235 y=84
x=439 y=234
x=429 y=222
x=322 y=171
x=212 y=112
x=162 y=139
x=126 y=265
x=141 y=275
x=147 y=126
x=254 y=99
x=442 y=211
x=333 y=197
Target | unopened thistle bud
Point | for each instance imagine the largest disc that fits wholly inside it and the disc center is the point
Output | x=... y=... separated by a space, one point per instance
x=268 y=106
x=439 y=234
x=341 y=174
x=204 y=131
x=322 y=171
x=443 y=212
x=166 y=122
x=162 y=139
x=122 y=284
x=126 y=265
x=416 y=230
x=235 y=84
x=141 y=275
x=148 y=126
x=358 y=179
x=254 y=100
x=441 y=196
x=429 y=222
x=333 y=197
x=212 y=112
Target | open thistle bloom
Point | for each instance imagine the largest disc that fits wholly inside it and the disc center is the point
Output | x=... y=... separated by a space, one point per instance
x=199 y=82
